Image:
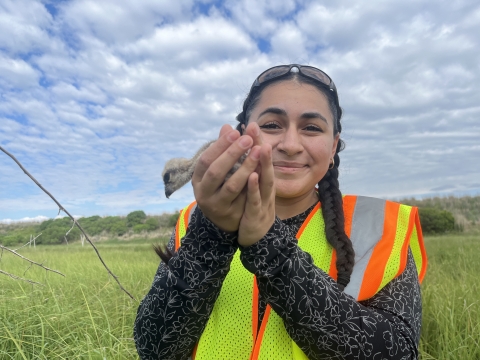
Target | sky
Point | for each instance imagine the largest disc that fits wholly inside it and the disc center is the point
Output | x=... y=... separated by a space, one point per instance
x=96 y=96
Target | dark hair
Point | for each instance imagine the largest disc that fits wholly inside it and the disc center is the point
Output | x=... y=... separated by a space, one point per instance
x=328 y=187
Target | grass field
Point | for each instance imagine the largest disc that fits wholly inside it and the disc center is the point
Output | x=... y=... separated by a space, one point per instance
x=86 y=316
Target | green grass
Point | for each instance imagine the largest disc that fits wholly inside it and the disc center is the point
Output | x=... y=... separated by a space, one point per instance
x=86 y=316
x=451 y=299
x=81 y=316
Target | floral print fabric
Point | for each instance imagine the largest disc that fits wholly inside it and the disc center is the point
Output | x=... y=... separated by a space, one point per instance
x=323 y=321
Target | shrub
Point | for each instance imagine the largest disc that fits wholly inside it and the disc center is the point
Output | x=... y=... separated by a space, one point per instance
x=119 y=227
x=152 y=224
x=140 y=228
x=136 y=217
x=435 y=221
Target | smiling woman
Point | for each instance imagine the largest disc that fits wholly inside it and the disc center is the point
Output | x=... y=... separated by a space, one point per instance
x=272 y=262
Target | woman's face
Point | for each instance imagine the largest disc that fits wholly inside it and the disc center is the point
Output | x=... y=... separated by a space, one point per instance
x=296 y=120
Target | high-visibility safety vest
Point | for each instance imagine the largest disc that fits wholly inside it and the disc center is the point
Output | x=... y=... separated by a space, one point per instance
x=381 y=232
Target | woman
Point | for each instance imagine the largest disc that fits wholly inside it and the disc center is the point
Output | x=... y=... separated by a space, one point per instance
x=273 y=263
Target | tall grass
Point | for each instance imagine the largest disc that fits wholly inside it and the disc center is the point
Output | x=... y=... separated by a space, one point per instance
x=86 y=316
x=451 y=299
x=82 y=316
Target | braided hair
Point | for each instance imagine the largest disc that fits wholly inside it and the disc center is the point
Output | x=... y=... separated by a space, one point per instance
x=329 y=193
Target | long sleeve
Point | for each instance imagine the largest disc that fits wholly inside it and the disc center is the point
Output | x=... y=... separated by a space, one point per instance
x=174 y=313
x=325 y=322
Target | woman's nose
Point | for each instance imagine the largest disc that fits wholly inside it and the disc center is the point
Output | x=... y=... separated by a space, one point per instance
x=290 y=144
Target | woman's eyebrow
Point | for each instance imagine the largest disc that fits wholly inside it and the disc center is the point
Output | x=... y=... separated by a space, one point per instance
x=278 y=111
x=313 y=115
x=273 y=110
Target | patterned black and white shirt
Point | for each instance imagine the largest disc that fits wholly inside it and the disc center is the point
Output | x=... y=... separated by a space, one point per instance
x=174 y=313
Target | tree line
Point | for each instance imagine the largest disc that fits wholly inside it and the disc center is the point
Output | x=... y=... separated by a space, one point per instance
x=448 y=213
x=54 y=230
x=438 y=215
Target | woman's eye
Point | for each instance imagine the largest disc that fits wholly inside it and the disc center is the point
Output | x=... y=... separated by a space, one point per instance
x=313 y=128
x=271 y=125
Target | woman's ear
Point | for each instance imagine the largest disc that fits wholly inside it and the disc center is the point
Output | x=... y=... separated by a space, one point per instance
x=336 y=139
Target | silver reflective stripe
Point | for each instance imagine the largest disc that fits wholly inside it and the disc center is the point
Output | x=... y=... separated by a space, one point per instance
x=191 y=213
x=367 y=230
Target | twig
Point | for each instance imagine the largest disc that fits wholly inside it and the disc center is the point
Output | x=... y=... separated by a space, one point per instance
x=31 y=261
x=19 y=278
x=29 y=266
x=61 y=208
x=30 y=242
x=68 y=232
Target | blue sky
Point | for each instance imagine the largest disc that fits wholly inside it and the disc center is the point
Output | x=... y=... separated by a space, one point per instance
x=95 y=96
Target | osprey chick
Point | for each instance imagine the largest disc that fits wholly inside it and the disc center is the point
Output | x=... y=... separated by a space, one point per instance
x=179 y=171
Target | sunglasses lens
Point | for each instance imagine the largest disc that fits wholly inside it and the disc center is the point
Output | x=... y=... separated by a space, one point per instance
x=273 y=73
x=316 y=74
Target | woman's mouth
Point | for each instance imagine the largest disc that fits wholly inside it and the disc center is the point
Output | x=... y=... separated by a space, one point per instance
x=288 y=167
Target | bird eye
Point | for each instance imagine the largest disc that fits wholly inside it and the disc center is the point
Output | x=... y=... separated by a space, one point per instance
x=166 y=177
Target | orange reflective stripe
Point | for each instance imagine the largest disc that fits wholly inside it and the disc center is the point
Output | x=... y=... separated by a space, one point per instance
x=258 y=342
x=187 y=213
x=349 y=202
x=372 y=278
x=182 y=220
x=194 y=352
x=422 y=248
x=177 y=231
x=333 y=273
x=255 y=309
x=406 y=242
x=307 y=220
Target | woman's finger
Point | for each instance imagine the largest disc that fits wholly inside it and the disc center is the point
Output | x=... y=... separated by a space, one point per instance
x=267 y=178
x=214 y=151
x=253 y=130
x=234 y=185
x=215 y=175
x=254 y=199
x=225 y=129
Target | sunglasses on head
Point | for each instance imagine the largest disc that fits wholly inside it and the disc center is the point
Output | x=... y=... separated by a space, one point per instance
x=307 y=71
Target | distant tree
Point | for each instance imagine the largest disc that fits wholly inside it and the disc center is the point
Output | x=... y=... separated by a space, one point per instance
x=136 y=217
x=119 y=227
x=436 y=221
x=152 y=224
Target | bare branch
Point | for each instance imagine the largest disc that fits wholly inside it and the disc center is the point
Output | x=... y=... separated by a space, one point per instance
x=31 y=261
x=19 y=278
x=29 y=266
x=28 y=243
x=61 y=208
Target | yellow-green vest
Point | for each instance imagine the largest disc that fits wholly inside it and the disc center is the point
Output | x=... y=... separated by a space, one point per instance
x=381 y=232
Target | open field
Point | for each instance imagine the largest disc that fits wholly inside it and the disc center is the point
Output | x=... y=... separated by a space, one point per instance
x=86 y=316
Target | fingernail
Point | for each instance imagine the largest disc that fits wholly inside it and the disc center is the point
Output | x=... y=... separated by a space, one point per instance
x=244 y=142
x=257 y=131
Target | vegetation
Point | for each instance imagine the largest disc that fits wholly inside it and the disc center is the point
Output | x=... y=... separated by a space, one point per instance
x=54 y=231
x=465 y=210
x=435 y=221
x=86 y=316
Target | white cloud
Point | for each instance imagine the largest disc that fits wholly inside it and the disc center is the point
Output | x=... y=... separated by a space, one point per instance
x=17 y=74
x=36 y=219
x=97 y=96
